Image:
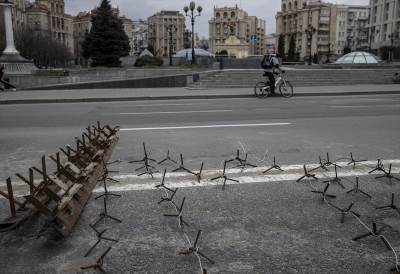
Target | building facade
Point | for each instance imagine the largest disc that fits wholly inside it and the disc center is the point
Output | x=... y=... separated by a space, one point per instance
x=233 y=21
x=322 y=29
x=49 y=18
x=128 y=28
x=140 y=36
x=384 y=25
x=158 y=32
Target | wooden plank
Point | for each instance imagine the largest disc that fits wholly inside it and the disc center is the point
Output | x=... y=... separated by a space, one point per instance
x=11 y=197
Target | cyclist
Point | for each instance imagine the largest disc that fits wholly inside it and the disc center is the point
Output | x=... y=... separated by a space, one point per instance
x=270 y=63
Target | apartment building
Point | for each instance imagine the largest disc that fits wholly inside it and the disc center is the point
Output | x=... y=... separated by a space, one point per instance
x=140 y=36
x=49 y=18
x=320 y=28
x=384 y=25
x=158 y=32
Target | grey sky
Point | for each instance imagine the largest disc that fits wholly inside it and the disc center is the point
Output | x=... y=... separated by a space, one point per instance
x=135 y=9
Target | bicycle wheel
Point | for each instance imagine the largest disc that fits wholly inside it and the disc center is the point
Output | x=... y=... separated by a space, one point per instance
x=260 y=89
x=286 y=89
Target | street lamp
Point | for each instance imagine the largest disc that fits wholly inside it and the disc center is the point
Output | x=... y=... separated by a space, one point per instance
x=310 y=32
x=171 y=29
x=392 y=37
x=192 y=16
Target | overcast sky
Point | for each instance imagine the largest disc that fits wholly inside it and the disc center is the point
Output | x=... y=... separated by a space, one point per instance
x=141 y=9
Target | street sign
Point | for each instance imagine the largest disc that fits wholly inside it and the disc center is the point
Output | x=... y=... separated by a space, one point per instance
x=253 y=37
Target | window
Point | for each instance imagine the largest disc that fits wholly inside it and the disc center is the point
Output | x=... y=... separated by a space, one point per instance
x=387 y=11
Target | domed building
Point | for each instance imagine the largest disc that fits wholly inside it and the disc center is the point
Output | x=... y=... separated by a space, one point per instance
x=358 y=57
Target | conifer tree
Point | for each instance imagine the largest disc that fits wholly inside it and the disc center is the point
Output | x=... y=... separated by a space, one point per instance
x=107 y=41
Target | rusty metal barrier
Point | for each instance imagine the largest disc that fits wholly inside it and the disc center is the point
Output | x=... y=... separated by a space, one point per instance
x=61 y=195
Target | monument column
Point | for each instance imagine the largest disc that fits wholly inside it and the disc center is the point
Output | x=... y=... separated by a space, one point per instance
x=12 y=61
x=10 y=46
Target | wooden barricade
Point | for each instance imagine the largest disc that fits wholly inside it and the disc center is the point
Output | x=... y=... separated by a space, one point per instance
x=62 y=195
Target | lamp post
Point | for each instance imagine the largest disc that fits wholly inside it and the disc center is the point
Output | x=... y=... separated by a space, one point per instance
x=170 y=30
x=392 y=37
x=310 y=32
x=189 y=12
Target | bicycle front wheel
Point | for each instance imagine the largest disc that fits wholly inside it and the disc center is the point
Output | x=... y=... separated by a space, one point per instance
x=286 y=89
x=261 y=89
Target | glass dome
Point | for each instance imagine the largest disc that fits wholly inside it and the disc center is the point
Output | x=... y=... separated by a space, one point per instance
x=358 y=57
x=187 y=53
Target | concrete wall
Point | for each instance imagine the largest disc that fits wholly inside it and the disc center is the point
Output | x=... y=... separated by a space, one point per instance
x=156 y=82
x=91 y=75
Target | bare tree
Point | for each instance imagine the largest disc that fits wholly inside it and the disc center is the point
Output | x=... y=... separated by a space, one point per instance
x=40 y=47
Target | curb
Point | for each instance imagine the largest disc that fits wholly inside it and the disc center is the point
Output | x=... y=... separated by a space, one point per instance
x=182 y=97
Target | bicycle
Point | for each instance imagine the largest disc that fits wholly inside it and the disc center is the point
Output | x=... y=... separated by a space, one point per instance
x=262 y=89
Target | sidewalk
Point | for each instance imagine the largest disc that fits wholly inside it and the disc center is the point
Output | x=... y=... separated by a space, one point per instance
x=113 y=95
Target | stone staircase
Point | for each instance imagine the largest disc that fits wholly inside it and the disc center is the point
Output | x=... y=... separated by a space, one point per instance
x=298 y=77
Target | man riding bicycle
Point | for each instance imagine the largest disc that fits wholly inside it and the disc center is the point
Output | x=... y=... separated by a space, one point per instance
x=270 y=64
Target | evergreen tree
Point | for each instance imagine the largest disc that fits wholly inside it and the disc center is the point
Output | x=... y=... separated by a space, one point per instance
x=107 y=40
x=292 y=50
x=281 y=46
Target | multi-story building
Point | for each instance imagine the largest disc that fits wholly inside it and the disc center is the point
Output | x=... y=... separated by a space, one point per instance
x=82 y=23
x=140 y=36
x=233 y=21
x=49 y=18
x=357 y=27
x=128 y=28
x=384 y=25
x=158 y=33
x=271 y=43
x=320 y=28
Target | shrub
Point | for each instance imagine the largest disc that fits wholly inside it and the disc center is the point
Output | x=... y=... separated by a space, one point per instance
x=148 y=61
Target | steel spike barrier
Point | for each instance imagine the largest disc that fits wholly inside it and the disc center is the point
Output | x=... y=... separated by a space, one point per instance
x=182 y=167
x=375 y=232
x=274 y=166
x=379 y=167
x=103 y=215
x=324 y=193
x=335 y=180
x=357 y=189
x=346 y=211
x=391 y=205
x=166 y=159
x=388 y=174
x=353 y=161
x=100 y=237
x=98 y=265
x=223 y=176
x=242 y=162
x=104 y=180
x=195 y=249
x=321 y=165
x=306 y=175
x=178 y=215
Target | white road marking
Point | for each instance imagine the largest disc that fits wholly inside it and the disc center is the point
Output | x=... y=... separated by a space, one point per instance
x=362 y=106
x=132 y=182
x=205 y=126
x=160 y=105
x=177 y=112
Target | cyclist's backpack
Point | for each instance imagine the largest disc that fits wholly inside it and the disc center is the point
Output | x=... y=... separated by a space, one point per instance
x=267 y=62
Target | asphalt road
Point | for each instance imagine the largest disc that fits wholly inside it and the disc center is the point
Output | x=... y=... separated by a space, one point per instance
x=261 y=227
x=295 y=130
